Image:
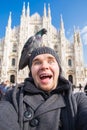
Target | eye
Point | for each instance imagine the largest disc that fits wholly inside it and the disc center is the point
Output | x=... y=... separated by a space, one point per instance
x=37 y=63
x=51 y=61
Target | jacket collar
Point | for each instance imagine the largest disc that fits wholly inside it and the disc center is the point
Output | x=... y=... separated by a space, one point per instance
x=54 y=102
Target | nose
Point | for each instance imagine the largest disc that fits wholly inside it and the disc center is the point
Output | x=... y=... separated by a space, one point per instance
x=44 y=65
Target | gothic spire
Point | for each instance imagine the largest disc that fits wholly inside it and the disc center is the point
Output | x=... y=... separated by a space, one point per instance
x=9 y=20
x=49 y=11
x=28 y=10
x=23 y=11
x=45 y=10
x=78 y=36
x=61 y=24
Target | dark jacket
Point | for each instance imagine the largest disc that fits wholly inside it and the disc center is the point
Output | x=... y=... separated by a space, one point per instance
x=28 y=108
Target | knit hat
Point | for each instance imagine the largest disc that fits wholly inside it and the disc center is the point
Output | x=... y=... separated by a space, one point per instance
x=43 y=50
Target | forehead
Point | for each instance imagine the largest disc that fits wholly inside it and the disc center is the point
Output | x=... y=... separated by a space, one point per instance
x=44 y=56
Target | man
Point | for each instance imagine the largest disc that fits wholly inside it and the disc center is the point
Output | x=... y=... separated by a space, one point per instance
x=85 y=89
x=45 y=100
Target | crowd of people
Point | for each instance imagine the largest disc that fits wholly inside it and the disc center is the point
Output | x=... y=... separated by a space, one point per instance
x=4 y=87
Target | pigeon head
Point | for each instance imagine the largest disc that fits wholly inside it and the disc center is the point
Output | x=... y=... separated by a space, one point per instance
x=41 y=32
x=44 y=31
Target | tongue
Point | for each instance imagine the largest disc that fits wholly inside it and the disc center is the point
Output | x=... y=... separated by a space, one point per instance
x=45 y=80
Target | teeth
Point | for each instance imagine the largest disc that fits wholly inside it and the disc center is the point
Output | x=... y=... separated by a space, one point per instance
x=45 y=75
x=42 y=75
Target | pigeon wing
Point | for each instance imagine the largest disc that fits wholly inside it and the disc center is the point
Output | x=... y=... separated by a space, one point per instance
x=23 y=62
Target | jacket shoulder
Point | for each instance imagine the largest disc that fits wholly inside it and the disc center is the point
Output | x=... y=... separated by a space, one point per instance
x=13 y=95
x=81 y=98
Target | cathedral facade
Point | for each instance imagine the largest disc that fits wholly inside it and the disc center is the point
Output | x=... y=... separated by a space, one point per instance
x=70 y=54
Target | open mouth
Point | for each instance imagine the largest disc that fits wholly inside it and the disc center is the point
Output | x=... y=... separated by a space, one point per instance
x=45 y=76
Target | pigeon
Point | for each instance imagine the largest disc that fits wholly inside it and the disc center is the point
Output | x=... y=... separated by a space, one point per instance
x=33 y=42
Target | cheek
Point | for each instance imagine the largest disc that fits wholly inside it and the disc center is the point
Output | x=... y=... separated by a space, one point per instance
x=56 y=70
x=34 y=70
x=55 y=67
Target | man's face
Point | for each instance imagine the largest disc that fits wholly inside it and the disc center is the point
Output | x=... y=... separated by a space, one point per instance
x=45 y=72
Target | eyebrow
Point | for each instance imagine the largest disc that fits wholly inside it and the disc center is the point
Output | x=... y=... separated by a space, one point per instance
x=35 y=60
x=49 y=57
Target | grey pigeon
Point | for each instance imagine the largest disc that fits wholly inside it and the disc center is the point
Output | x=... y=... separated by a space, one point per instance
x=32 y=43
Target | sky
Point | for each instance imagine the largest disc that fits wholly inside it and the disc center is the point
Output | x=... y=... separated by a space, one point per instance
x=74 y=13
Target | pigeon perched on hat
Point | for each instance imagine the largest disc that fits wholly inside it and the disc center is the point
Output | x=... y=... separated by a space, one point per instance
x=33 y=42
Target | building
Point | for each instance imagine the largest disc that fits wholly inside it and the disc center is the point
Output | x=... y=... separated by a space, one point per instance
x=71 y=54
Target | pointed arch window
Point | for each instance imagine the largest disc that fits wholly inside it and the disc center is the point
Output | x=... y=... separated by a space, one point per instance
x=69 y=62
x=13 y=61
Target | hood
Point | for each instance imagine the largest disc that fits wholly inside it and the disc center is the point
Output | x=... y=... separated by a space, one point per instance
x=64 y=86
